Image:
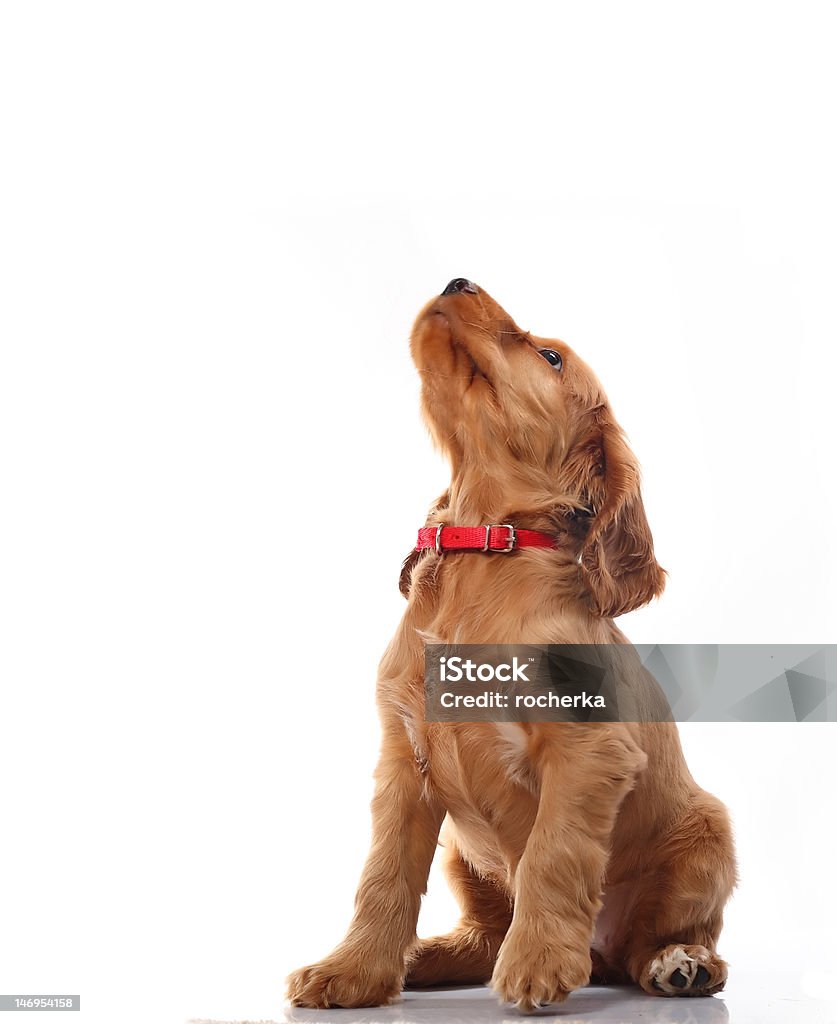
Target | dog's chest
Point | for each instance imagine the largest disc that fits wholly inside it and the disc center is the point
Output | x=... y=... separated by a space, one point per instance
x=482 y=775
x=473 y=755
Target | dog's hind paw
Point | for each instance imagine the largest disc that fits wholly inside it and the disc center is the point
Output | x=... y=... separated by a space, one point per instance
x=681 y=970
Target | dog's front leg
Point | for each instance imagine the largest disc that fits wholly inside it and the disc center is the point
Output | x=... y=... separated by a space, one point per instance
x=367 y=968
x=585 y=771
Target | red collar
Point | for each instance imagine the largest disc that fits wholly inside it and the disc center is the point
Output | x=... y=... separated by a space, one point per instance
x=503 y=538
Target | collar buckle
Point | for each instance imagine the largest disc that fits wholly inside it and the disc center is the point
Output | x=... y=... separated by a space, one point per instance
x=511 y=543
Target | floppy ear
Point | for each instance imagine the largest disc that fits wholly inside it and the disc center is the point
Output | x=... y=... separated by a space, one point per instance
x=617 y=559
x=405 y=580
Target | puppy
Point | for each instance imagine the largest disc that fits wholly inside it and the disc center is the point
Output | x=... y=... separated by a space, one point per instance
x=575 y=850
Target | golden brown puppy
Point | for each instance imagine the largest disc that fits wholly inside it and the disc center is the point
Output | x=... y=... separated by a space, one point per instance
x=574 y=849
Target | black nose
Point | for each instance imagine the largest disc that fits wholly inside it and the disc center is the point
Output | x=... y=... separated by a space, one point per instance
x=460 y=284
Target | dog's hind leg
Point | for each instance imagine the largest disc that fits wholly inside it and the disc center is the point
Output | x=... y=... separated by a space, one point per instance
x=678 y=917
x=467 y=954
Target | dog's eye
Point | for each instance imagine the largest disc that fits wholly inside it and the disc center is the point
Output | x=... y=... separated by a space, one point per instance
x=553 y=357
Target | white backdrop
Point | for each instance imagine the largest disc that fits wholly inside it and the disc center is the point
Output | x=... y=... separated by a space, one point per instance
x=218 y=221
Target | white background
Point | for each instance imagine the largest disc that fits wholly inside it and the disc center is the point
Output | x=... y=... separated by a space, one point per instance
x=218 y=221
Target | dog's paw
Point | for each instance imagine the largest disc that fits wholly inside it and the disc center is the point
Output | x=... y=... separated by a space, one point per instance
x=532 y=971
x=338 y=981
x=465 y=956
x=681 y=970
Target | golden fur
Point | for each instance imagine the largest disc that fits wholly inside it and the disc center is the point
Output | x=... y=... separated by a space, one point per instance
x=574 y=849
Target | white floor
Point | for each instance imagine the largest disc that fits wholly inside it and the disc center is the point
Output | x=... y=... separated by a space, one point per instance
x=739 y=1005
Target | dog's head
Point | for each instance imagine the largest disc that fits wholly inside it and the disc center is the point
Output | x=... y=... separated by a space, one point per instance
x=528 y=416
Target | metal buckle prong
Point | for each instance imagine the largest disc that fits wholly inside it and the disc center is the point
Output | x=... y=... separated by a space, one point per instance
x=512 y=541
x=439 y=548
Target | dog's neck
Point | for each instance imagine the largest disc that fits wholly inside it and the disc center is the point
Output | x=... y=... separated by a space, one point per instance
x=506 y=492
